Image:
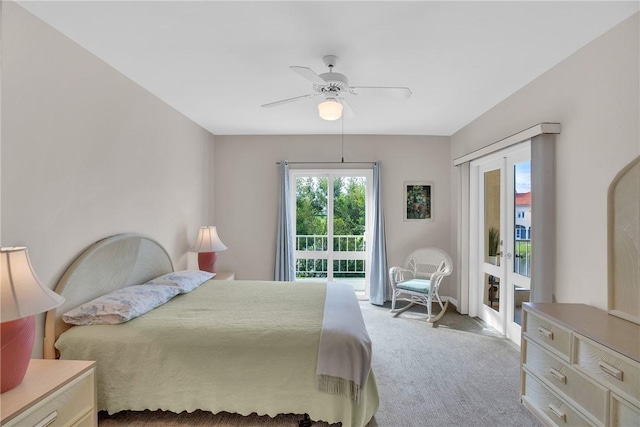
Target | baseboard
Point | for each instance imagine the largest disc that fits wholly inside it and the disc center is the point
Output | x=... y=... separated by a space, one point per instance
x=452 y=301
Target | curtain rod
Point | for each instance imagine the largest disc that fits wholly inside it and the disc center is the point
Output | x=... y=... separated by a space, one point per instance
x=329 y=163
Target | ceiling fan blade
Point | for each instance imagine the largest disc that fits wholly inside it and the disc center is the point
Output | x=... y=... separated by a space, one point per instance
x=286 y=101
x=347 y=110
x=391 y=92
x=308 y=74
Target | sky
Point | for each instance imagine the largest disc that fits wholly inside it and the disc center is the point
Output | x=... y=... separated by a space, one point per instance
x=523 y=177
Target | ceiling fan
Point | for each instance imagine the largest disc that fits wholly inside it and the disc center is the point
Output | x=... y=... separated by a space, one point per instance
x=334 y=86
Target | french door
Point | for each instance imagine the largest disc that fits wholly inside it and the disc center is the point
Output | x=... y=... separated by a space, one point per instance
x=501 y=238
x=518 y=255
x=332 y=216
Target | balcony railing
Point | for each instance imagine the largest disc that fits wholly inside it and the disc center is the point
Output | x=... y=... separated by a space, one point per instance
x=522 y=264
x=341 y=243
x=317 y=267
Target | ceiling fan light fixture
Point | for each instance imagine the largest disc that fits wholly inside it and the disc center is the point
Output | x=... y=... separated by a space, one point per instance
x=330 y=109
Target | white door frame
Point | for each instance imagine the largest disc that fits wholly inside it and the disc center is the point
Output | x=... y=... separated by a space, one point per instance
x=543 y=272
x=513 y=279
x=495 y=319
x=329 y=173
x=477 y=268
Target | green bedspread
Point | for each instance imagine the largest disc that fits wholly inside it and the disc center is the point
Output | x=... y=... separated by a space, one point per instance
x=235 y=346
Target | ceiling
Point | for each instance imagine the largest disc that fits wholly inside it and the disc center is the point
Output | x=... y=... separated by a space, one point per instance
x=218 y=62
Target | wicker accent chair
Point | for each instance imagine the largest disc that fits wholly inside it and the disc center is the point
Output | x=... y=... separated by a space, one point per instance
x=418 y=281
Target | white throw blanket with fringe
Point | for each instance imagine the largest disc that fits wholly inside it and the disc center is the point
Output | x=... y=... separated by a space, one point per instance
x=344 y=353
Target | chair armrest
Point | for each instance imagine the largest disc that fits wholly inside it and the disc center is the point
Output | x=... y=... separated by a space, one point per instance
x=437 y=277
x=397 y=275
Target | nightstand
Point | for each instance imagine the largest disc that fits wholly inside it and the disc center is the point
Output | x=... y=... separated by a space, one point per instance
x=224 y=275
x=53 y=393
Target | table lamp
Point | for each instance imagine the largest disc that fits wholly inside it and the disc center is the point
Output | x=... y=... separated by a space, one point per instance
x=22 y=296
x=207 y=244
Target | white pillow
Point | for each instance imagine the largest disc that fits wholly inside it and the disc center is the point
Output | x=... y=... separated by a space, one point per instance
x=185 y=281
x=120 y=305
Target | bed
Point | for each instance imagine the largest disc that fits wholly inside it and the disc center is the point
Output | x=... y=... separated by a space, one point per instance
x=234 y=346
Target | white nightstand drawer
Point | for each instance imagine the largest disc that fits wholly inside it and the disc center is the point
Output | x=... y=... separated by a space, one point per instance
x=549 y=406
x=623 y=414
x=566 y=381
x=549 y=335
x=612 y=369
x=68 y=407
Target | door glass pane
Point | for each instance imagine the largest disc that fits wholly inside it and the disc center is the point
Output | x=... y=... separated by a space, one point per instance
x=522 y=220
x=492 y=291
x=492 y=217
x=331 y=214
x=311 y=226
x=520 y=295
x=349 y=216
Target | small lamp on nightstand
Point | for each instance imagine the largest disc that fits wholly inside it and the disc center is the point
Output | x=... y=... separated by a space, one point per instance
x=22 y=296
x=207 y=244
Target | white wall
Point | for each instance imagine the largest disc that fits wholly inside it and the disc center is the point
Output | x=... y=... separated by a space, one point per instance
x=246 y=186
x=594 y=94
x=87 y=153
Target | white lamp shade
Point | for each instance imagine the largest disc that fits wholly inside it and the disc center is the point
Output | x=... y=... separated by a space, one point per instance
x=330 y=109
x=22 y=294
x=208 y=241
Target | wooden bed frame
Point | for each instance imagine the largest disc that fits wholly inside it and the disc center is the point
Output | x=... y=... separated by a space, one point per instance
x=109 y=264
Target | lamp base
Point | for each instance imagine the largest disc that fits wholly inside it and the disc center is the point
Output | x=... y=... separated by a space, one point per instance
x=15 y=353
x=206 y=261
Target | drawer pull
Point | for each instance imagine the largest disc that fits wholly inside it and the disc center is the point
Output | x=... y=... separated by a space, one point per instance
x=614 y=372
x=557 y=412
x=48 y=419
x=558 y=375
x=547 y=333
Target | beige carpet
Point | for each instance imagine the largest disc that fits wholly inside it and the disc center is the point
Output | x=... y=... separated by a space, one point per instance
x=460 y=373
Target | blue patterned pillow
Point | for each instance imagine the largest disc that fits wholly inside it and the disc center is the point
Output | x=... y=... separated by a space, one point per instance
x=185 y=281
x=120 y=305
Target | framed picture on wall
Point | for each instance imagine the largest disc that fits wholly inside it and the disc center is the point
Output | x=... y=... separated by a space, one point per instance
x=418 y=197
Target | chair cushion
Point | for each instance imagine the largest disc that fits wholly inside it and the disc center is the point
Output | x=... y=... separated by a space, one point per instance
x=415 y=285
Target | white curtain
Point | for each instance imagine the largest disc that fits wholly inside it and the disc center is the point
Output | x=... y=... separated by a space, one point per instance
x=285 y=266
x=378 y=293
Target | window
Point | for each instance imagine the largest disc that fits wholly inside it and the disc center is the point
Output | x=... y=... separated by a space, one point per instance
x=331 y=226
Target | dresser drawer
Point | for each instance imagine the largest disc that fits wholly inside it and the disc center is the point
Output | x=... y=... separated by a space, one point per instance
x=612 y=369
x=549 y=406
x=68 y=407
x=88 y=420
x=566 y=381
x=623 y=414
x=548 y=334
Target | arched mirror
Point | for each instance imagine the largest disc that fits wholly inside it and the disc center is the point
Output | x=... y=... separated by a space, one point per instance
x=624 y=243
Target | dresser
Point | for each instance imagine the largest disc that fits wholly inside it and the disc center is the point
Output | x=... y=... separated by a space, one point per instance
x=580 y=366
x=53 y=393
